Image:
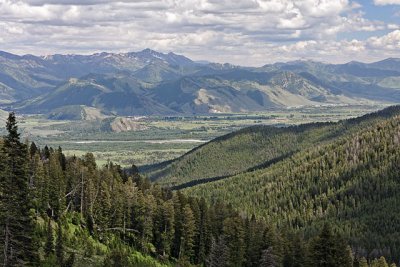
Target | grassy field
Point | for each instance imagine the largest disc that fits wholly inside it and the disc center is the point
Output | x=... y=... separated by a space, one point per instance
x=161 y=138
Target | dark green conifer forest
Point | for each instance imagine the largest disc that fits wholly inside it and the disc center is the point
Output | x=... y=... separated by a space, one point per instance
x=352 y=182
x=331 y=204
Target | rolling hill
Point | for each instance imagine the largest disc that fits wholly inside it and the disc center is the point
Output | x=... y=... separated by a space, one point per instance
x=352 y=181
x=254 y=148
x=76 y=112
x=300 y=177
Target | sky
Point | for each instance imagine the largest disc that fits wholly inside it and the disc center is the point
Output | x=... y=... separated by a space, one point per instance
x=242 y=32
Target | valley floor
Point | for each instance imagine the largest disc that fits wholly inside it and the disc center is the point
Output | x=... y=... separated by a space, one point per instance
x=156 y=139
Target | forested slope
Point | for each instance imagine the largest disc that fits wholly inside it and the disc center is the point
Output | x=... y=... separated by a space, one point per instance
x=353 y=181
x=58 y=211
x=66 y=211
x=255 y=147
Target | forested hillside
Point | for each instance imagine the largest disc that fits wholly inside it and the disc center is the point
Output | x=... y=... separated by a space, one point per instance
x=66 y=211
x=255 y=147
x=352 y=182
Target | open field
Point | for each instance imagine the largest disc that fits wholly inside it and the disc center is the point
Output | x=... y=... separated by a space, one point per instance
x=161 y=138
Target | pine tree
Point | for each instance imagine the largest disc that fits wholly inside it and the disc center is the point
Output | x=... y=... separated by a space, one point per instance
x=56 y=186
x=268 y=258
x=328 y=250
x=70 y=260
x=164 y=228
x=204 y=234
x=347 y=257
x=272 y=239
x=33 y=149
x=382 y=262
x=295 y=252
x=40 y=195
x=118 y=256
x=60 y=245
x=234 y=234
x=219 y=253
x=49 y=245
x=179 y=201
x=62 y=159
x=17 y=225
x=102 y=206
x=46 y=152
x=363 y=262
x=253 y=241
x=188 y=233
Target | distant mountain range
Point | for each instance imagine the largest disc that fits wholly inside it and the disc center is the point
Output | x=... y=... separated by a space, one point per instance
x=149 y=82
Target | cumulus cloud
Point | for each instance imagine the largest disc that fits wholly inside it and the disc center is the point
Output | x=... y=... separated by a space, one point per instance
x=387 y=2
x=392 y=26
x=251 y=32
x=391 y=41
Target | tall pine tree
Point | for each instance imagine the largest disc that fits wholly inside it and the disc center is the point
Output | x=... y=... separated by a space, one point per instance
x=17 y=225
x=328 y=250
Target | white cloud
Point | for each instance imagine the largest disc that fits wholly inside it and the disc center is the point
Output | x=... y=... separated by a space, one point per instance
x=390 y=41
x=386 y=2
x=251 y=32
x=393 y=26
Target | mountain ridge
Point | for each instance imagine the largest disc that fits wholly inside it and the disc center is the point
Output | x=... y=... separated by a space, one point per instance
x=168 y=83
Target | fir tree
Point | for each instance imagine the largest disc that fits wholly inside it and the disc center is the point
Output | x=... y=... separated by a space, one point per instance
x=234 y=234
x=70 y=260
x=33 y=149
x=17 y=225
x=49 y=246
x=219 y=253
x=363 y=262
x=204 y=233
x=382 y=262
x=46 y=152
x=328 y=251
x=268 y=258
x=188 y=233
x=59 y=245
